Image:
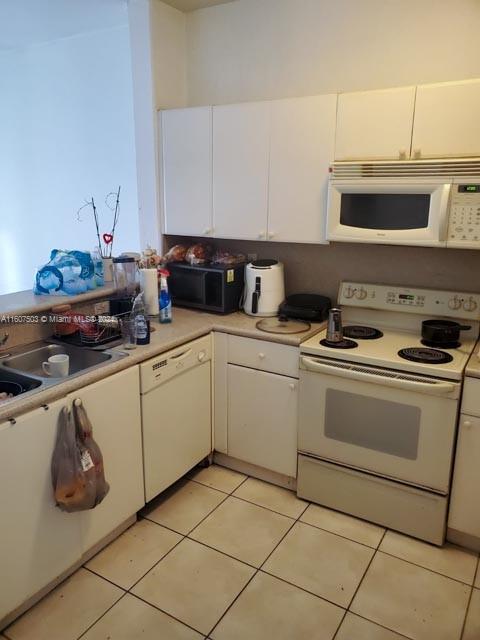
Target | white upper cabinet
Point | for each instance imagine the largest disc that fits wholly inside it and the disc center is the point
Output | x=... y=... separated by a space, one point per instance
x=447 y=120
x=241 y=137
x=187 y=171
x=301 y=150
x=375 y=125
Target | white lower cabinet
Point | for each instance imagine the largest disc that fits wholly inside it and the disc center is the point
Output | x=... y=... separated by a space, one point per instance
x=262 y=419
x=464 y=514
x=38 y=542
x=113 y=406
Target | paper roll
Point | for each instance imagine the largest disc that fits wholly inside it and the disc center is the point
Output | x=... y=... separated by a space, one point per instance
x=149 y=286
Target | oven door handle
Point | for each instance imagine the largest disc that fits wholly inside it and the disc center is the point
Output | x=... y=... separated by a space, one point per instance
x=435 y=388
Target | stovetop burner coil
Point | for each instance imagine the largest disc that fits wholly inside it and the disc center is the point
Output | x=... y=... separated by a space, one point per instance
x=426 y=355
x=343 y=344
x=361 y=333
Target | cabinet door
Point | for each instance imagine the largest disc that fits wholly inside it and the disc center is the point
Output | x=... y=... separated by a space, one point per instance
x=464 y=514
x=262 y=419
x=375 y=125
x=187 y=171
x=301 y=150
x=113 y=406
x=241 y=136
x=447 y=120
x=38 y=542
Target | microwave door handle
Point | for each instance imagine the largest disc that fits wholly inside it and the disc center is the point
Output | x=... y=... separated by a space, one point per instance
x=436 y=388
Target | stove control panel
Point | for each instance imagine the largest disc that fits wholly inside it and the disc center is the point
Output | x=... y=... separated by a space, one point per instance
x=425 y=301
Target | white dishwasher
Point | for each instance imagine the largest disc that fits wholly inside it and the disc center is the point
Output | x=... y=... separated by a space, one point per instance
x=176 y=413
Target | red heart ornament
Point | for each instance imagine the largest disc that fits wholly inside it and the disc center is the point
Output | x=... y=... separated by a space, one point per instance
x=107 y=238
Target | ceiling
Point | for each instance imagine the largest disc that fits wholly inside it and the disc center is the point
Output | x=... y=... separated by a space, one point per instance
x=192 y=5
x=27 y=22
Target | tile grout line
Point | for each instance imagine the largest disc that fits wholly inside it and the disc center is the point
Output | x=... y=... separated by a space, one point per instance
x=339 y=535
x=462 y=632
x=169 y=615
x=420 y=566
x=103 y=614
x=375 y=551
x=359 y=615
x=258 y=570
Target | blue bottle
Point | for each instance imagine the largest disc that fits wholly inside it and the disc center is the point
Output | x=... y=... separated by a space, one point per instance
x=165 y=302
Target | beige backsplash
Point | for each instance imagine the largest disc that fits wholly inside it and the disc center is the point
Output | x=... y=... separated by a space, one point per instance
x=320 y=268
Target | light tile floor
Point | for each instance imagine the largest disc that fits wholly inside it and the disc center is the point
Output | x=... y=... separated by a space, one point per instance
x=226 y=557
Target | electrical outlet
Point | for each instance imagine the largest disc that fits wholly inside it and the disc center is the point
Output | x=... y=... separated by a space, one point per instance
x=251 y=257
x=101 y=308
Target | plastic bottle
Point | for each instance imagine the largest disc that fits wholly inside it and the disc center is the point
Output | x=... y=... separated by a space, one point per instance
x=141 y=324
x=164 y=299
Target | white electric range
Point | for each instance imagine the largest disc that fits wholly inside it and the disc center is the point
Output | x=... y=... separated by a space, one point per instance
x=378 y=412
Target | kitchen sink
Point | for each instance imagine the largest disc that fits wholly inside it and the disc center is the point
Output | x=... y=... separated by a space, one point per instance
x=30 y=362
x=16 y=383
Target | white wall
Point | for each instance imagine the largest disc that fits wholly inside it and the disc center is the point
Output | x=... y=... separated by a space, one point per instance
x=66 y=125
x=261 y=49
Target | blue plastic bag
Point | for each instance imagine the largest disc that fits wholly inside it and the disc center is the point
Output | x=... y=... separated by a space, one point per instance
x=66 y=273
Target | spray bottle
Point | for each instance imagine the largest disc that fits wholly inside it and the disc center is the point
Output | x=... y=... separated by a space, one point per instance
x=164 y=300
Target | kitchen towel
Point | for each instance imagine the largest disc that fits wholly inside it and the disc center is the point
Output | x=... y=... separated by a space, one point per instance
x=149 y=285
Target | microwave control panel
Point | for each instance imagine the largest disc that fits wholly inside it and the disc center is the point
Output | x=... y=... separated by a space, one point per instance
x=464 y=217
x=452 y=304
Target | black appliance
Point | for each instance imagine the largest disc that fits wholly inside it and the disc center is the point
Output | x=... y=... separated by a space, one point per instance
x=305 y=306
x=442 y=333
x=215 y=288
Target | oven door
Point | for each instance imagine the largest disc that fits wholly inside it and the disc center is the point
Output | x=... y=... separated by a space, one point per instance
x=389 y=212
x=393 y=424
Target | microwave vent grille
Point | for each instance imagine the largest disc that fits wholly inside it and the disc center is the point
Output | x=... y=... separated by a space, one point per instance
x=466 y=167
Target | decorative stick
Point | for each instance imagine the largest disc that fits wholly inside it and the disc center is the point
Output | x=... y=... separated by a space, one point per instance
x=95 y=217
x=115 y=218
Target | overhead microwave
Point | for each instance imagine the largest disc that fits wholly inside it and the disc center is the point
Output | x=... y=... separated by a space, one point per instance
x=425 y=203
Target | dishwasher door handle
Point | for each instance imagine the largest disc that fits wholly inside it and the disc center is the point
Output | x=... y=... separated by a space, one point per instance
x=181 y=356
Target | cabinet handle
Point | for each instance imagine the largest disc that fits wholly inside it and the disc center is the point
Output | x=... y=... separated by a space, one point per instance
x=402 y=154
x=292 y=386
x=467 y=424
x=261 y=356
x=271 y=235
x=261 y=234
x=206 y=232
x=417 y=153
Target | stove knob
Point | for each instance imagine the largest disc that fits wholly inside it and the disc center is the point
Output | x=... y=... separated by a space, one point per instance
x=455 y=303
x=361 y=294
x=470 y=304
x=349 y=292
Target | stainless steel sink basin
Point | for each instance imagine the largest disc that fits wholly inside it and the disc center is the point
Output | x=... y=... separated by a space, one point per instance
x=15 y=384
x=30 y=362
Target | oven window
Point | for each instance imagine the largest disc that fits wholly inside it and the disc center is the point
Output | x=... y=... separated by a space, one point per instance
x=381 y=425
x=389 y=211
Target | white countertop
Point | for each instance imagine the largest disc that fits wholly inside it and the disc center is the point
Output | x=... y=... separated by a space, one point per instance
x=187 y=325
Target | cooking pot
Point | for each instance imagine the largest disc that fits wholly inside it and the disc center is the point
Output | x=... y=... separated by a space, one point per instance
x=442 y=331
